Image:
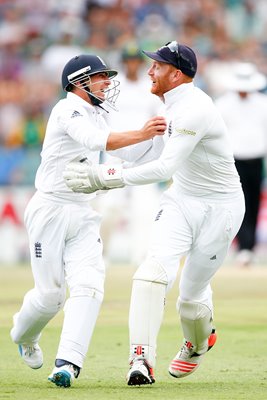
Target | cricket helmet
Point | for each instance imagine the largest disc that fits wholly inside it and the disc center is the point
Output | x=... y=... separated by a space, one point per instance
x=79 y=69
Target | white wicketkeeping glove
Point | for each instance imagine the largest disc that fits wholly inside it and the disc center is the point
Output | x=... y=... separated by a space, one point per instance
x=84 y=178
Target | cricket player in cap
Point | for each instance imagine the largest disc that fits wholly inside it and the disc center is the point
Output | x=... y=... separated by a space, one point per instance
x=198 y=215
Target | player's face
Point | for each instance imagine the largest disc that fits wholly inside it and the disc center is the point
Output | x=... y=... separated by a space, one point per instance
x=99 y=84
x=161 y=75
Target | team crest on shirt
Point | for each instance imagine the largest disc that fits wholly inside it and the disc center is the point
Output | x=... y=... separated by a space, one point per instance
x=76 y=114
x=38 y=249
x=186 y=132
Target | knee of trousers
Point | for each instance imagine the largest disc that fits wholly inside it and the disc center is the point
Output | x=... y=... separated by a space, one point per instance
x=86 y=291
x=87 y=281
x=50 y=301
x=151 y=271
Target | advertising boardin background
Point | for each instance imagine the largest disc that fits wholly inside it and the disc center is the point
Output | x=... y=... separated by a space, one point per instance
x=13 y=236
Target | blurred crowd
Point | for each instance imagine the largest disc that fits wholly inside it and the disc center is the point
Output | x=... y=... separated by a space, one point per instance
x=38 y=37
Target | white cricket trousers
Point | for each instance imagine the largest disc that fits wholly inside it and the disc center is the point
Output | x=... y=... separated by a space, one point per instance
x=199 y=229
x=65 y=246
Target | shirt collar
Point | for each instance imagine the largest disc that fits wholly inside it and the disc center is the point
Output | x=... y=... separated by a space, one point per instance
x=78 y=99
x=178 y=93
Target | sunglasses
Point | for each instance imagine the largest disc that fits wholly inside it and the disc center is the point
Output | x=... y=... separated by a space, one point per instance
x=174 y=48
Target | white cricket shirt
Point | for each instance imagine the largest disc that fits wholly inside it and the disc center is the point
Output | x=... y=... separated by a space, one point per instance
x=246 y=120
x=197 y=153
x=75 y=129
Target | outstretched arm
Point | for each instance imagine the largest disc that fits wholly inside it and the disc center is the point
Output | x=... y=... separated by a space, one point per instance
x=88 y=179
x=154 y=126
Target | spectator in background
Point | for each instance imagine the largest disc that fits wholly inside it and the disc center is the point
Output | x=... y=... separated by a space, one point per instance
x=131 y=208
x=244 y=110
x=135 y=101
x=36 y=36
x=30 y=128
x=20 y=155
x=58 y=53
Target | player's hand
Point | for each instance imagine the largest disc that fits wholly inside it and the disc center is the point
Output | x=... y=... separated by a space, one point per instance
x=154 y=126
x=84 y=178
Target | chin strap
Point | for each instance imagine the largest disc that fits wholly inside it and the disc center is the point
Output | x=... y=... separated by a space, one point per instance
x=95 y=101
x=103 y=108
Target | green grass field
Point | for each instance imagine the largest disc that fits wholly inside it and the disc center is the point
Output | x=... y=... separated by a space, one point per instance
x=235 y=369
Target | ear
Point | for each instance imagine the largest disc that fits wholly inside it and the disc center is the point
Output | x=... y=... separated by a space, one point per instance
x=176 y=75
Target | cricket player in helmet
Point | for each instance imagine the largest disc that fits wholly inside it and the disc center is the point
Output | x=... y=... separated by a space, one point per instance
x=198 y=216
x=63 y=228
x=78 y=71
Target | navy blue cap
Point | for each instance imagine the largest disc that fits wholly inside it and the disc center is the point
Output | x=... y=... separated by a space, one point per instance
x=180 y=56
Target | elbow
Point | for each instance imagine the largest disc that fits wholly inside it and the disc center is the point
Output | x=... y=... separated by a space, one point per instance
x=111 y=143
x=110 y=146
x=164 y=172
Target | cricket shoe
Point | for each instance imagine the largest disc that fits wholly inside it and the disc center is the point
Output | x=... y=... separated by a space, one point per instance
x=187 y=360
x=31 y=354
x=63 y=376
x=140 y=374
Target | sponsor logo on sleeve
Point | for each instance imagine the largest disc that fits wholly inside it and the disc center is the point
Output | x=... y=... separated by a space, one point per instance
x=185 y=132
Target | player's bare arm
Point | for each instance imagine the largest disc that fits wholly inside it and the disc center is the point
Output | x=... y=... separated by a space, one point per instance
x=154 y=126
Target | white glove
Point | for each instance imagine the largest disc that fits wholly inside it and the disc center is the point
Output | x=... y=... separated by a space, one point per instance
x=84 y=178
